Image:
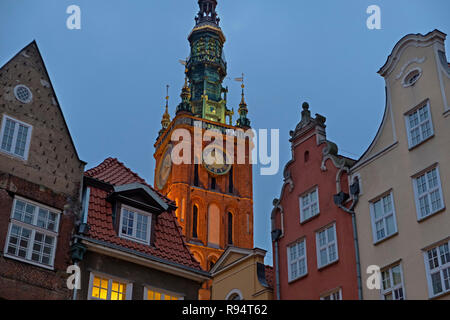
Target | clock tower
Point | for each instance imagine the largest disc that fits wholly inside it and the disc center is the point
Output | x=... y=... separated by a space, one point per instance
x=214 y=200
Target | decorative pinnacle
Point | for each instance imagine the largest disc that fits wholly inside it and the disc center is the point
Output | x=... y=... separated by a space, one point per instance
x=207 y=12
x=166 y=116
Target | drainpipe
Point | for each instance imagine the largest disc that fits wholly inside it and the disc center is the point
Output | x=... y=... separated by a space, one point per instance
x=339 y=200
x=276 y=234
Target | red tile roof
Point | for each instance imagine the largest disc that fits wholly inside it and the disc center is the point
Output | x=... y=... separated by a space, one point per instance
x=169 y=244
x=269 y=276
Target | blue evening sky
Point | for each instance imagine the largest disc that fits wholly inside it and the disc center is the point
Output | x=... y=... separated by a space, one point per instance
x=110 y=76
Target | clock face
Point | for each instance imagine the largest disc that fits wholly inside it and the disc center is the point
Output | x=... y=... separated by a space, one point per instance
x=164 y=169
x=215 y=160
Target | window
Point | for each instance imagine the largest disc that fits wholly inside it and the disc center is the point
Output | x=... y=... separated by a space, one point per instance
x=392 y=283
x=196 y=182
x=135 y=225
x=309 y=205
x=234 y=294
x=428 y=193
x=230 y=228
x=437 y=263
x=105 y=288
x=32 y=233
x=297 y=260
x=230 y=181
x=23 y=93
x=194 y=221
x=412 y=77
x=384 y=222
x=335 y=295
x=155 y=294
x=327 y=251
x=15 y=137
x=213 y=183
x=419 y=125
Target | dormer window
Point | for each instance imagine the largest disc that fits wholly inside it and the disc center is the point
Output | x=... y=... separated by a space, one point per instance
x=135 y=224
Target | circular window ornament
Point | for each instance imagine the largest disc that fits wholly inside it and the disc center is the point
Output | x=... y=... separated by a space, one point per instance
x=412 y=77
x=23 y=93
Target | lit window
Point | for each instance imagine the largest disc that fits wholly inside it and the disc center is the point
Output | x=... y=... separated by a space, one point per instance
x=103 y=288
x=15 y=137
x=437 y=262
x=135 y=225
x=154 y=294
x=392 y=283
x=384 y=222
x=428 y=193
x=335 y=295
x=297 y=260
x=419 y=125
x=327 y=251
x=32 y=233
x=309 y=205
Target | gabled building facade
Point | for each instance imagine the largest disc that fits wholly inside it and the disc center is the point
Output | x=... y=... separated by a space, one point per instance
x=240 y=274
x=130 y=244
x=402 y=220
x=313 y=247
x=40 y=181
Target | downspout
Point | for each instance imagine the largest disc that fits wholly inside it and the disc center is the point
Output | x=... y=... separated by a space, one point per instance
x=276 y=234
x=356 y=243
x=339 y=200
x=82 y=227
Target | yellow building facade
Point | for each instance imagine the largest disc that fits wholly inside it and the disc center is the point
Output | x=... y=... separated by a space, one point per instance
x=402 y=221
x=240 y=274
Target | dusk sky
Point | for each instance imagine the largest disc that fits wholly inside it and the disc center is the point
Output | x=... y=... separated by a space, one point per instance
x=110 y=76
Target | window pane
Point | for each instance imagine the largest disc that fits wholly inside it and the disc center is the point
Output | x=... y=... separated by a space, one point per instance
x=8 y=135
x=330 y=234
x=390 y=225
x=323 y=257
x=436 y=282
x=377 y=210
x=396 y=275
x=21 y=141
x=332 y=252
x=386 y=279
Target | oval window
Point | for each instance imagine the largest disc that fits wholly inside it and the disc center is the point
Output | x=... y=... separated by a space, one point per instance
x=412 y=77
x=23 y=94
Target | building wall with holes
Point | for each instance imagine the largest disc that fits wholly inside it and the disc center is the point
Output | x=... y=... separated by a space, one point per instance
x=49 y=175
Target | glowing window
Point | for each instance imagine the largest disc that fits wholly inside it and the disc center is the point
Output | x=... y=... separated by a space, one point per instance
x=153 y=294
x=108 y=289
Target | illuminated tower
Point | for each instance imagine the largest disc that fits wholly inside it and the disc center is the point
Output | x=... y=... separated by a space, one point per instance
x=215 y=202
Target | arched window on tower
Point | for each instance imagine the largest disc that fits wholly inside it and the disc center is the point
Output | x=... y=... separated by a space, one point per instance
x=194 y=221
x=196 y=184
x=230 y=228
x=230 y=181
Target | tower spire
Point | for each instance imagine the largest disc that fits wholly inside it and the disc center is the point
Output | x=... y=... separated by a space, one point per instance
x=207 y=13
x=165 y=122
x=243 y=121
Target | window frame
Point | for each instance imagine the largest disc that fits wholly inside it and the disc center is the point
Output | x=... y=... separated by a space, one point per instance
x=14 y=139
x=299 y=258
x=384 y=292
x=439 y=269
x=417 y=197
x=33 y=227
x=135 y=221
x=162 y=292
x=383 y=218
x=425 y=104
x=331 y=295
x=129 y=286
x=327 y=246
x=308 y=194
